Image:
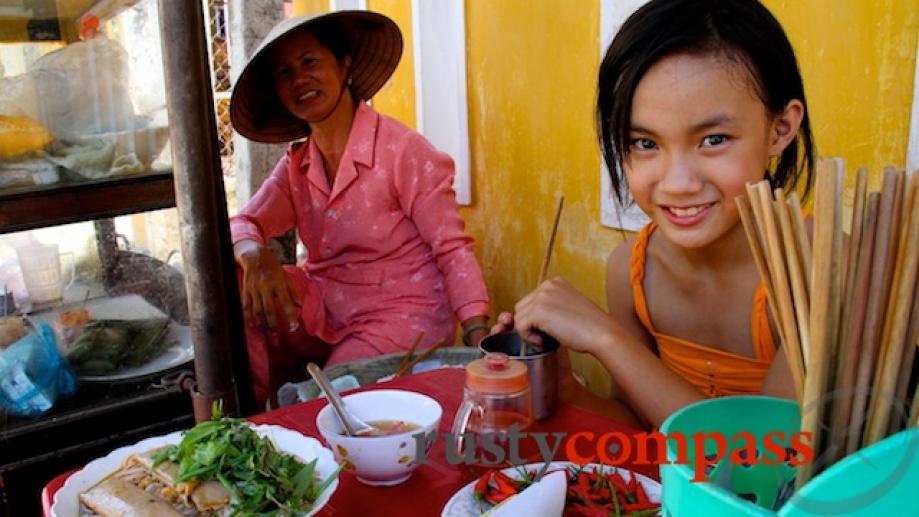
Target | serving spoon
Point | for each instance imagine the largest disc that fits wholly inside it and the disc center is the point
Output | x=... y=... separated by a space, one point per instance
x=354 y=426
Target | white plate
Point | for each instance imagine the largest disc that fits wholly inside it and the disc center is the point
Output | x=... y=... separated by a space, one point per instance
x=131 y=307
x=463 y=504
x=66 y=500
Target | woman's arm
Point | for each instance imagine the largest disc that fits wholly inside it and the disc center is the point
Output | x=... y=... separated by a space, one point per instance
x=264 y=282
x=270 y=212
x=474 y=330
x=423 y=178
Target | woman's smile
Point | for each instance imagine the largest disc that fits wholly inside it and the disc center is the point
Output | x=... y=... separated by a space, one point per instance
x=308 y=95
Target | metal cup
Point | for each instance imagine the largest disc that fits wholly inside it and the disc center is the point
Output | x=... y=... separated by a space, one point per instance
x=541 y=363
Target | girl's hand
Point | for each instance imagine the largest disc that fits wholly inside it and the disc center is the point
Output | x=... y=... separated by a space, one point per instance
x=264 y=282
x=505 y=322
x=560 y=310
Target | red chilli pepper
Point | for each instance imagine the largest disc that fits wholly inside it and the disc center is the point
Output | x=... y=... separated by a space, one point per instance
x=641 y=495
x=497 y=497
x=481 y=486
x=619 y=483
x=506 y=485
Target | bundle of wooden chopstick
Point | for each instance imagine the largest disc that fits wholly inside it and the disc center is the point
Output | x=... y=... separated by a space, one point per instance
x=846 y=305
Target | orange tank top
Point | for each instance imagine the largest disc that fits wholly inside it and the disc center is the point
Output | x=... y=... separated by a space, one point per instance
x=714 y=372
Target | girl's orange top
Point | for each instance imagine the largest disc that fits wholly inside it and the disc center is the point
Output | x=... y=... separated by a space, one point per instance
x=714 y=372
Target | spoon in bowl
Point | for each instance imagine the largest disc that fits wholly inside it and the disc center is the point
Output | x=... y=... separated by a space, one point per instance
x=354 y=426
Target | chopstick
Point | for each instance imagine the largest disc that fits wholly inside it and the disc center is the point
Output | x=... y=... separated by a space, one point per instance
x=547 y=257
x=804 y=245
x=776 y=258
x=854 y=323
x=898 y=312
x=881 y=276
x=906 y=367
x=421 y=357
x=856 y=230
x=842 y=376
x=411 y=350
x=797 y=275
x=825 y=303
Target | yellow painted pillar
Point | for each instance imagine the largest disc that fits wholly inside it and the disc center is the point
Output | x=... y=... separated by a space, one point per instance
x=397 y=97
x=305 y=7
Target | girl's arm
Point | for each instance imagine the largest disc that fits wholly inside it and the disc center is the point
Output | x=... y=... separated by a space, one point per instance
x=423 y=178
x=778 y=381
x=616 y=338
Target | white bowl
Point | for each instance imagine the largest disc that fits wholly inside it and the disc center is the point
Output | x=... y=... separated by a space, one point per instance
x=382 y=460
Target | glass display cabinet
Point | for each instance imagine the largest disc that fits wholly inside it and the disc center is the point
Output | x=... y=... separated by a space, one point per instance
x=107 y=208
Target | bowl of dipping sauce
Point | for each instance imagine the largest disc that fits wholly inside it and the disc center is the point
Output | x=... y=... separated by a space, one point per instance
x=406 y=426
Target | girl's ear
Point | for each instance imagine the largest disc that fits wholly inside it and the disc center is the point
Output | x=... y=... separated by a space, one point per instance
x=785 y=127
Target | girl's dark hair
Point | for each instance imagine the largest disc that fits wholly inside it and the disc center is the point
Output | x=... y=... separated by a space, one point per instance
x=742 y=30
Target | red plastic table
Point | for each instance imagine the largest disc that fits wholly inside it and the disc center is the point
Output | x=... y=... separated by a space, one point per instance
x=432 y=485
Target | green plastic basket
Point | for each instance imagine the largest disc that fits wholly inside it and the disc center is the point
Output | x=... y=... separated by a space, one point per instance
x=879 y=480
x=728 y=416
x=882 y=479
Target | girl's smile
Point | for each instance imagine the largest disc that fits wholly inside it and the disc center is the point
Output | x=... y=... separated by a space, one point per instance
x=687 y=215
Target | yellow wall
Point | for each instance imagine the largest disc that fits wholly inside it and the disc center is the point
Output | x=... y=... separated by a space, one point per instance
x=531 y=68
x=858 y=60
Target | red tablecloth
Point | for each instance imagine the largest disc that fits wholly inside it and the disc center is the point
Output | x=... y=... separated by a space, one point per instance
x=432 y=485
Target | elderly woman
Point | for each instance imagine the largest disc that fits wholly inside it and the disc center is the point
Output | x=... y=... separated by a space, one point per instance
x=372 y=201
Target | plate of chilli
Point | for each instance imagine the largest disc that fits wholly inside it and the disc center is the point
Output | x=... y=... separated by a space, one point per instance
x=590 y=490
x=96 y=479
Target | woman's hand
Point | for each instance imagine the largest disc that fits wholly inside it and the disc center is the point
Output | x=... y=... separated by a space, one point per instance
x=560 y=310
x=475 y=329
x=264 y=282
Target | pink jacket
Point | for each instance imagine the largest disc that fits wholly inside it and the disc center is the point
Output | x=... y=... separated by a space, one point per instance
x=388 y=253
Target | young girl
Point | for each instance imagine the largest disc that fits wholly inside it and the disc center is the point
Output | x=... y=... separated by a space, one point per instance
x=372 y=201
x=696 y=98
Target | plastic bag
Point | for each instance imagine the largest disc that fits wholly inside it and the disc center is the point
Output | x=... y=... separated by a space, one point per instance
x=83 y=88
x=33 y=374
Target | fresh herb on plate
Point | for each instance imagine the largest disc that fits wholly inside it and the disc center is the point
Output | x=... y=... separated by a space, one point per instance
x=260 y=479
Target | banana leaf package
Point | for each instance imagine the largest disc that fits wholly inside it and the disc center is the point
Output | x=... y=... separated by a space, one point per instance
x=106 y=346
